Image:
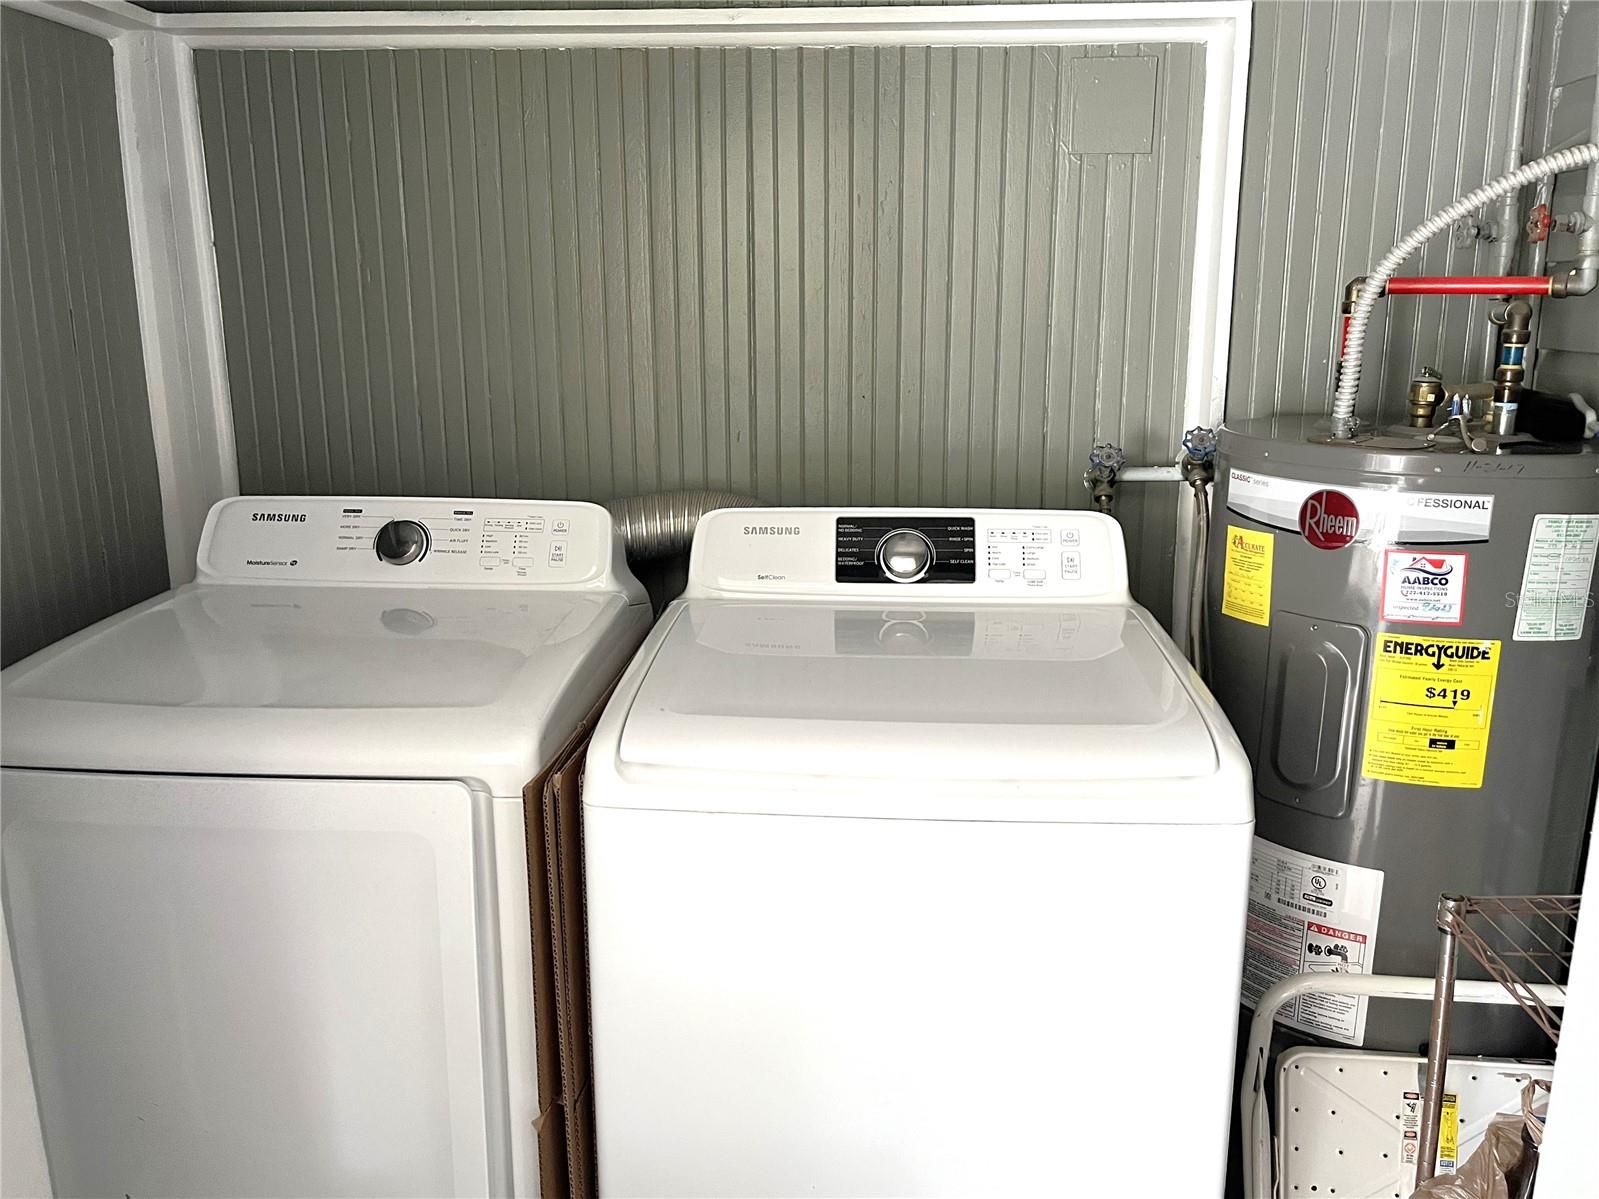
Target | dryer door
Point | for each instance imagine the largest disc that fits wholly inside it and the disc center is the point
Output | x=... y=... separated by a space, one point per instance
x=239 y=986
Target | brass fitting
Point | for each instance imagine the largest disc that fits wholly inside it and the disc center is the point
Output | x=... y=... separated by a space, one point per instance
x=1426 y=393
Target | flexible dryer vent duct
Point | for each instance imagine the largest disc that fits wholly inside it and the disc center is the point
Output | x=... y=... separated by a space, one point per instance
x=658 y=525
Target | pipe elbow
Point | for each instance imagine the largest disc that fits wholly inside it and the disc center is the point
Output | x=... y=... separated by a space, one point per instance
x=1579 y=281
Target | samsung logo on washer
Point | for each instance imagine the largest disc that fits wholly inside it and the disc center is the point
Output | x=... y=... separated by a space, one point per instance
x=297 y=518
x=771 y=530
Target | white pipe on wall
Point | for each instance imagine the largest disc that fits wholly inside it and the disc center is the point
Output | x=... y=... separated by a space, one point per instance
x=1509 y=215
x=1509 y=219
x=1149 y=474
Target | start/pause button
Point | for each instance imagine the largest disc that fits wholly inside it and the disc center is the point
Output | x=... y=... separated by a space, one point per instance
x=1071 y=566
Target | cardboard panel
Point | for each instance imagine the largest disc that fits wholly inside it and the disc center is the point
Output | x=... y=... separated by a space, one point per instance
x=553 y=809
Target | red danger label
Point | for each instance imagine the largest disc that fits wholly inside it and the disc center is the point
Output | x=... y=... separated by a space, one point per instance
x=1329 y=519
x=1338 y=933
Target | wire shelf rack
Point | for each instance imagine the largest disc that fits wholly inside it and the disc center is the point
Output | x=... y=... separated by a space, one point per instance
x=1521 y=941
x=1518 y=939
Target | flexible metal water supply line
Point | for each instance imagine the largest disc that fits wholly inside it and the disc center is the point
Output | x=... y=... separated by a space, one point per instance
x=662 y=524
x=1198 y=466
x=1376 y=283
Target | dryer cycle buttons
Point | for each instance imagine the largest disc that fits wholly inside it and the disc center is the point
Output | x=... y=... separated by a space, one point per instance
x=401 y=542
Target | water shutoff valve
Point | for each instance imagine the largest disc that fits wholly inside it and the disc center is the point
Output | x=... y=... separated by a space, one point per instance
x=1105 y=461
x=1199 y=455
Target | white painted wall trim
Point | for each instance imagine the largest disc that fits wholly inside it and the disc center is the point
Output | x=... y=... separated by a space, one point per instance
x=1221 y=172
x=103 y=18
x=174 y=264
x=175 y=275
x=918 y=25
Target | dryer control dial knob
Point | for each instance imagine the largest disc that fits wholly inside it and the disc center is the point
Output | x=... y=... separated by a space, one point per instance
x=401 y=542
x=905 y=556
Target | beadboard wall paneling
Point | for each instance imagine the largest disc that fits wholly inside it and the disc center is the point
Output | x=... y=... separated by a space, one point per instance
x=1364 y=117
x=844 y=276
x=80 y=498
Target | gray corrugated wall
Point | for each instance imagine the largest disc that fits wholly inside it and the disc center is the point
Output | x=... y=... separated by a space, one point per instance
x=82 y=534
x=1363 y=119
x=1566 y=75
x=825 y=276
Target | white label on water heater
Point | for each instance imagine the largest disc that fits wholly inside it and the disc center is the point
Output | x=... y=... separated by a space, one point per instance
x=1309 y=914
x=1386 y=515
x=1556 y=583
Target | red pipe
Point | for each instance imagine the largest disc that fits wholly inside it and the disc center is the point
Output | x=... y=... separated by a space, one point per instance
x=1471 y=285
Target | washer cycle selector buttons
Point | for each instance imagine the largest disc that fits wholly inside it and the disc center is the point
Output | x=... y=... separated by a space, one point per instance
x=401 y=542
x=904 y=556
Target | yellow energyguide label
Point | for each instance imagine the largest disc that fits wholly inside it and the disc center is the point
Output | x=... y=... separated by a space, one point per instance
x=1246 y=577
x=1431 y=707
x=1448 y=1134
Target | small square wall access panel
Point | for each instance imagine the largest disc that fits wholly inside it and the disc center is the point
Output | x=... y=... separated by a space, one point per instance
x=1113 y=105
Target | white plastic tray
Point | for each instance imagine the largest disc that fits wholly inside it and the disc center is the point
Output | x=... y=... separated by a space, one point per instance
x=1347 y=1119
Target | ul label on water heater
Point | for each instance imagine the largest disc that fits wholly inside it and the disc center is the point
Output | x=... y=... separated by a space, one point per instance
x=1310 y=914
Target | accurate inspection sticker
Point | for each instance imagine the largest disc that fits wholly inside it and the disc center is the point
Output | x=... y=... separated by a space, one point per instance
x=1431 y=710
x=1246 y=576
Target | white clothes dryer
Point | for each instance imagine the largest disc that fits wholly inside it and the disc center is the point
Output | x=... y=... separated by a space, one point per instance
x=264 y=862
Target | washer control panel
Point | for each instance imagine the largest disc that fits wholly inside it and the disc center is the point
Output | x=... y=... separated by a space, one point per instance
x=1031 y=555
x=408 y=542
x=905 y=549
x=865 y=553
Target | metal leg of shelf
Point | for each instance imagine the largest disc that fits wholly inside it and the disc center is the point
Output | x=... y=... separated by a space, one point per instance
x=1443 y=1000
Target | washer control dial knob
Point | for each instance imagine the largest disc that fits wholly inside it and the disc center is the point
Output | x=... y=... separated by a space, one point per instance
x=905 y=556
x=401 y=542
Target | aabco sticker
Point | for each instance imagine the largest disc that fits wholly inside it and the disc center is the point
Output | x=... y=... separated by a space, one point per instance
x=1329 y=519
x=1423 y=588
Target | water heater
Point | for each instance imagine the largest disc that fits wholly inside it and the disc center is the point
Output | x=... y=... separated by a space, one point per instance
x=1403 y=633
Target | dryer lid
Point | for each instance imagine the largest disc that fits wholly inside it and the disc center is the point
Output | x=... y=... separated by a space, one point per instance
x=983 y=694
x=365 y=682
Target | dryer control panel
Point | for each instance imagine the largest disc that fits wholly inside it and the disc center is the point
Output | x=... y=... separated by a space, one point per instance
x=877 y=552
x=410 y=542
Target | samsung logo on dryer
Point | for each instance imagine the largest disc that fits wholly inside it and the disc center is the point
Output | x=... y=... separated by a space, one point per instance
x=296 y=518
x=771 y=530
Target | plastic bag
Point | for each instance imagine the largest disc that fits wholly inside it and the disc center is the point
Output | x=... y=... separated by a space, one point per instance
x=1484 y=1176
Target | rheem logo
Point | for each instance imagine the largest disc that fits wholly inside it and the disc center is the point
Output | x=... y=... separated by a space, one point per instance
x=1329 y=519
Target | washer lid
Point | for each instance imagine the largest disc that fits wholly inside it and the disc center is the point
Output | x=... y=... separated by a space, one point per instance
x=346 y=682
x=986 y=694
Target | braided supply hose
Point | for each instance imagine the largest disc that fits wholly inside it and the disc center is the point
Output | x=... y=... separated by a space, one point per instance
x=1343 y=409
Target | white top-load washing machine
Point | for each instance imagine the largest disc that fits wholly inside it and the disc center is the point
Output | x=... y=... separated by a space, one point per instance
x=917 y=862
x=265 y=872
